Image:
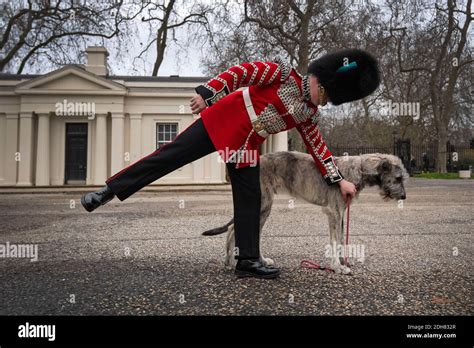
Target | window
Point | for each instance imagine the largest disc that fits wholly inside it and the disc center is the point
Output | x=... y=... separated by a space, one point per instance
x=165 y=133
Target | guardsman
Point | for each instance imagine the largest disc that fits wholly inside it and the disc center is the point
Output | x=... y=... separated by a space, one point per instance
x=235 y=121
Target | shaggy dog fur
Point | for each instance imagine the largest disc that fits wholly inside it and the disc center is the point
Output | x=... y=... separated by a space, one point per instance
x=295 y=173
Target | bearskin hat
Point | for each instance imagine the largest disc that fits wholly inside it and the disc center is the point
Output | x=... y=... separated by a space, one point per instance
x=346 y=75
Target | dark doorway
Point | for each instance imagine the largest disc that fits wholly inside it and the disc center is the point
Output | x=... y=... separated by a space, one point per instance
x=76 y=153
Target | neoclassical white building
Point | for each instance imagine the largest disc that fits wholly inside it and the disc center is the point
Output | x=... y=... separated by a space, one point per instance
x=78 y=125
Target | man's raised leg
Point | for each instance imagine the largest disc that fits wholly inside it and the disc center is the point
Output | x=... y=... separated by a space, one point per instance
x=190 y=145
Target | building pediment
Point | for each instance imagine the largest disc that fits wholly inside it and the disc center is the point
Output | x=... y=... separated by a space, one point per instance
x=70 y=80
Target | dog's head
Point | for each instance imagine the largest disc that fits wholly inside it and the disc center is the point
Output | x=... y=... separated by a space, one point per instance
x=393 y=176
x=387 y=172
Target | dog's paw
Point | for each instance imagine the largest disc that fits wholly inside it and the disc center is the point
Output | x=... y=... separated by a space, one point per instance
x=339 y=269
x=345 y=270
x=341 y=260
x=342 y=270
x=268 y=262
x=230 y=263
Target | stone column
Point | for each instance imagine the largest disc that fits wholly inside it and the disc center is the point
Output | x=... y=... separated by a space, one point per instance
x=280 y=142
x=25 y=149
x=135 y=137
x=264 y=147
x=198 y=168
x=269 y=144
x=11 y=143
x=42 y=152
x=100 y=151
x=117 y=156
x=217 y=168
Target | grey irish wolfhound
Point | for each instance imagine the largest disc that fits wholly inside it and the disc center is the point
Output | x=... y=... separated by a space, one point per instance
x=295 y=173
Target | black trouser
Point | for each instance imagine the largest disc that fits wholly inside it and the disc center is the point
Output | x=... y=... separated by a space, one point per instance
x=190 y=145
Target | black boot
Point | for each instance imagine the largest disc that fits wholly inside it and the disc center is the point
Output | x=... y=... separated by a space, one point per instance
x=256 y=269
x=93 y=200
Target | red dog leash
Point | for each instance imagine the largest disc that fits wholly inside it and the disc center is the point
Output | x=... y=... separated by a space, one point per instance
x=313 y=265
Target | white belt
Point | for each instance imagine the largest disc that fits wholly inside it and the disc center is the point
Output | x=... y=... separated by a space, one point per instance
x=256 y=123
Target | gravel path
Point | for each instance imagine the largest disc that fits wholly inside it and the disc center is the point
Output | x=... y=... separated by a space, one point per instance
x=146 y=256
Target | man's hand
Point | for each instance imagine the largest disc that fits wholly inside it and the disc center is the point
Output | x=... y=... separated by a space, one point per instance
x=348 y=189
x=197 y=104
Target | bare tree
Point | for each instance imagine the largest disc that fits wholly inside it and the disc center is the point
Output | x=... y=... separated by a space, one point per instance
x=437 y=54
x=165 y=18
x=31 y=31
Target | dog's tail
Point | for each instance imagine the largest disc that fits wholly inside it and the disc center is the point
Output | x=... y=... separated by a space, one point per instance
x=218 y=230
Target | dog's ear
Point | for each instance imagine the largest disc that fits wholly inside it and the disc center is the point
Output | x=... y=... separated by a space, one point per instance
x=384 y=167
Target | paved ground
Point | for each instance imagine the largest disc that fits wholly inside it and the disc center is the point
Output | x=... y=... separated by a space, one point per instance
x=146 y=256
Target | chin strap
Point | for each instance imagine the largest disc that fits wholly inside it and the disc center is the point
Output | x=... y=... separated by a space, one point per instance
x=313 y=265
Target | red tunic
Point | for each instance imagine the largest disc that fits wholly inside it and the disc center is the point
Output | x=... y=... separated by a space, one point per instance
x=281 y=99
